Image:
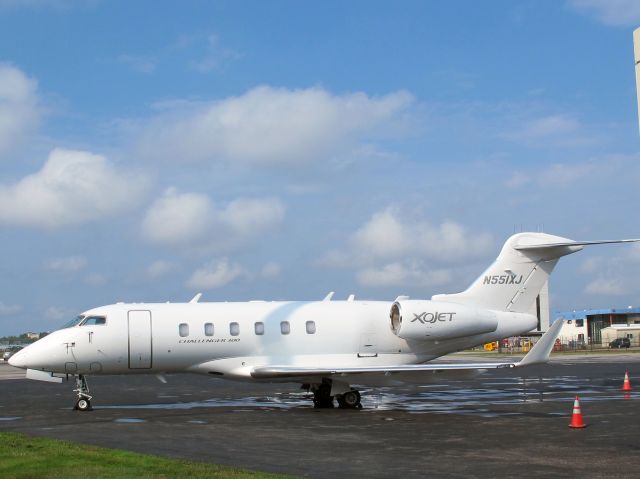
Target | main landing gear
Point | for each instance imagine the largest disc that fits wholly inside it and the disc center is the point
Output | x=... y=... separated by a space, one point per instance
x=84 y=399
x=323 y=397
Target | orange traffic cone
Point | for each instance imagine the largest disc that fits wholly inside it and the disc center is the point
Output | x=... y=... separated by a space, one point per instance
x=576 y=417
x=626 y=386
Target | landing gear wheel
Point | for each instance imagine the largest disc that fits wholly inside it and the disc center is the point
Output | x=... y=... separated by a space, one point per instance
x=83 y=405
x=350 y=400
x=322 y=397
x=84 y=399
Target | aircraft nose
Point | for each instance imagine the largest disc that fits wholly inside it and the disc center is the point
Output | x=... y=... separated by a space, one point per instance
x=19 y=360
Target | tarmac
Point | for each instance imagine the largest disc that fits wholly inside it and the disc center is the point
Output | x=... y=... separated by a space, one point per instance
x=502 y=423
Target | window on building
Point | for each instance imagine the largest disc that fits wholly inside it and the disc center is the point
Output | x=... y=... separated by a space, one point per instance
x=208 y=329
x=311 y=327
x=579 y=323
x=234 y=329
x=94 y=321
x=285 y=328
x=259 y=328
x=183 y=329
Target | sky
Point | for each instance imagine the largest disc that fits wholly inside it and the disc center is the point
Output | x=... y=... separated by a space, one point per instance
x=281 y=150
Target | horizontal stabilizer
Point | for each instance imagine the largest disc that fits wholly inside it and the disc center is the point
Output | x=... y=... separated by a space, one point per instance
x=525 y=247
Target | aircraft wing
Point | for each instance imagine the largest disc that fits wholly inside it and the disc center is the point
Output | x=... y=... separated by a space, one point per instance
x=539 y=354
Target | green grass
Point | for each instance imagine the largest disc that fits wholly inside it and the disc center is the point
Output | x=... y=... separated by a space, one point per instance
x=24 y=457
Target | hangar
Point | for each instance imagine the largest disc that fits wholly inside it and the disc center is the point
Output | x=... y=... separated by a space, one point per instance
x=597 y=327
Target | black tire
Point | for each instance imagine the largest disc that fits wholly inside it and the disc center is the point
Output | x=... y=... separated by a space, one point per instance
x=350 y=400
x=83 y=405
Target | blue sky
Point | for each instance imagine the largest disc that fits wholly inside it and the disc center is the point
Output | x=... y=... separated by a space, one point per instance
x=281 y=150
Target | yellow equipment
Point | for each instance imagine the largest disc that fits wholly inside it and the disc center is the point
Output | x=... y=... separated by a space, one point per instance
x=491 y=346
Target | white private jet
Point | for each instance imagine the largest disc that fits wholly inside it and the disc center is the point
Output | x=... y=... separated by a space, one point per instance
x=324 y=345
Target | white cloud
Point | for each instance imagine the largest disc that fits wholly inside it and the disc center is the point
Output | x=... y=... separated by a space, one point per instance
x=19 y=110
x=9 y=309
x=559 y=130
x=517 y=180
x=392 y=249
x=160 y=268
x=55 y=313
x=615 y=274
x=611 y=12
x=267 y=126
x=387 y=235
x=566 y=174
x=178 y=217
x=607 y=286
x=72 y=187
x=95 y=279
x=69 y=264
x=215 y=274
x=399 y=274
x=271 y=270
x=193 y=219
x=215 y=55
x=141 y=64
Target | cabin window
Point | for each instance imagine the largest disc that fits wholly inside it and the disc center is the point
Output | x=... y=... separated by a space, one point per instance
x=285 y=328
x=234 y=329
x=311 y=327
x=208 y=329
x=94 y=321
x=183 y=329
x=259 y=328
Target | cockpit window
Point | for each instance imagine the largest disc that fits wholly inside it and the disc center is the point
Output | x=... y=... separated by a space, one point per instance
x=94 y=321
x=73 y=322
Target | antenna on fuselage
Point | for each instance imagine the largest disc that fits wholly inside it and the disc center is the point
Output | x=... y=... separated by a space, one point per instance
x=196 y=298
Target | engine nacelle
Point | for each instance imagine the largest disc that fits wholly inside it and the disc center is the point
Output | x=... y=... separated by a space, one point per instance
x=434 y=320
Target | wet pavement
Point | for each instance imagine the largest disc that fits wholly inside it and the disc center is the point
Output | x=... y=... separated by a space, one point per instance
x=502 y=423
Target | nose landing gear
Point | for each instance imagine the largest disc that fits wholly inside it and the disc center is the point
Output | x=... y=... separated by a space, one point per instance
x=84 y=399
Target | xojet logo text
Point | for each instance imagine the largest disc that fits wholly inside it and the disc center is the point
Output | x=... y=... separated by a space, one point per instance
x=432 y=317
x=503 y=279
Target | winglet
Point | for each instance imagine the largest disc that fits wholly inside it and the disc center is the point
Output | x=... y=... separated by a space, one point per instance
x=196 y=298
x=540 y=351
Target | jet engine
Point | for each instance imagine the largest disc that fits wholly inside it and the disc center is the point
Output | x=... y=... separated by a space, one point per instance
x=434 y=320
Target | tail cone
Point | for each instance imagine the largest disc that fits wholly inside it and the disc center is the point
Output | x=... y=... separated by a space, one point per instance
x=626 y=386
x=576 y=418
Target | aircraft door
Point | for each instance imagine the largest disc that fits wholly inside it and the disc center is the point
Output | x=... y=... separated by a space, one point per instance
x=140 y=340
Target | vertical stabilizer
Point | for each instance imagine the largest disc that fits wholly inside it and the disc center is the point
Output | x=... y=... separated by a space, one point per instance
x=518 y=275
x=636 y=51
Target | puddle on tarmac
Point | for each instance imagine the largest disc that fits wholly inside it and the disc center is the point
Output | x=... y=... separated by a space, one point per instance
x=129 y=420
x=454 y=397
x=197 y=422
x=10 y=418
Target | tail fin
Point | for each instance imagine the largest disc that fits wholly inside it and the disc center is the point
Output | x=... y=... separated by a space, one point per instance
x=517 y=276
